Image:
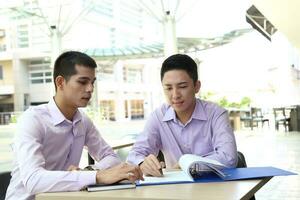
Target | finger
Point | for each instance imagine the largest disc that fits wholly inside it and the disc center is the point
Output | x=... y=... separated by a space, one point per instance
x=154 y=166
x=162 y=164
x=155 y=161
x=145 y=169
x=73 y=168
x=131 y=177
x=152 y=170
x=138 y=173
x=176 y=166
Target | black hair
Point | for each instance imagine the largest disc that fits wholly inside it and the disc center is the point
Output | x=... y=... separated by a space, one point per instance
x=65 y=64
x=180 y=62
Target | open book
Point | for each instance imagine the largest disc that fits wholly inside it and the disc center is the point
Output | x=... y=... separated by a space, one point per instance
x=193 y=167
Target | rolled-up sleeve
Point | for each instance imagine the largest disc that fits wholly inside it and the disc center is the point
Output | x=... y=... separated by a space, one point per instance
x=148 y=142
x=100 y=151
x=223 y=140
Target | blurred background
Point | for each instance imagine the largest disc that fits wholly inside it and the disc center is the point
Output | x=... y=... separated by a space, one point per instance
x=247 y=53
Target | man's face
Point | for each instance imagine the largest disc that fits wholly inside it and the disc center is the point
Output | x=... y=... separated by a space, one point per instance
x=180 y=90
x=77 y=91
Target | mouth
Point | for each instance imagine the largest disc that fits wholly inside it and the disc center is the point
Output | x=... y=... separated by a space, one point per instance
x=86 y=98
x=177 y=103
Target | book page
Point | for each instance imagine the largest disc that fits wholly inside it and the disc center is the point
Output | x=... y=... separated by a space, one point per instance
x=187 y=161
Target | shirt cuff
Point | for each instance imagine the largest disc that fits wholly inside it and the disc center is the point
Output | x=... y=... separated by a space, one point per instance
x=107 y=162
x=136 y=160
x=87 y=178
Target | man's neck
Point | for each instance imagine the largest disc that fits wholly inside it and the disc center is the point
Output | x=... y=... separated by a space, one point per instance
x=64 y=108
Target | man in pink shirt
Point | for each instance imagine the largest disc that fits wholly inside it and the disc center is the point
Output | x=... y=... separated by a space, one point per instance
x=185 y=125
x=50 y=138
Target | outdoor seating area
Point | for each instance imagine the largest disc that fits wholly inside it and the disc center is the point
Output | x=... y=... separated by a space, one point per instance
x=285 y=118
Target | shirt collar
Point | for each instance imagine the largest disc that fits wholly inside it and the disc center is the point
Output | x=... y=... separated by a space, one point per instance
x=199 y=112
x=56 y=115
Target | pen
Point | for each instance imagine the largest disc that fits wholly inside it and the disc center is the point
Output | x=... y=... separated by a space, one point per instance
x=161 y=171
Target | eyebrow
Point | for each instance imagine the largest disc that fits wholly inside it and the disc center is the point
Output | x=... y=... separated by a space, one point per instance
x=86 y=78
x=180 y=83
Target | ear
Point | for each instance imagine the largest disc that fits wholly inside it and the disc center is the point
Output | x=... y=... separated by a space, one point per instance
x=197 y=86
x=59 y=82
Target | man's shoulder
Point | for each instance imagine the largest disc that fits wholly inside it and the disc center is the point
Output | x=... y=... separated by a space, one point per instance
x=211 y=107
x=33 y=116
x=161 y=110
x=36 y=110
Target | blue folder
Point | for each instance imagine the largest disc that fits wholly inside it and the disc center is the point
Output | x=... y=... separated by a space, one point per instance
x=244 y=173
x=231 y=175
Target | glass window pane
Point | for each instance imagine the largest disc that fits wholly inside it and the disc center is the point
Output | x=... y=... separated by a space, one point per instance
x=38 y=74
x=36 y=81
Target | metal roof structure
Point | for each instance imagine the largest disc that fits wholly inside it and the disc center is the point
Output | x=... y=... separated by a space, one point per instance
x=185 y=45
x=56 y=19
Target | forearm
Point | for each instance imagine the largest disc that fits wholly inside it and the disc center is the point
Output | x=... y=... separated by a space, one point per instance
x=227 y=157
x=108 y=162
x=57 y=181
x=223 y=142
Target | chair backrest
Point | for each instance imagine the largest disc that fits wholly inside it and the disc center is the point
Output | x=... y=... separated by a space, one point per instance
x=241 y=160
x=256 y=113
x=280 y=113
x=5 y=179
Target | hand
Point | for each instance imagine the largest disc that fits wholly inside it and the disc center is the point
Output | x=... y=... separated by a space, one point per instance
x=73 y=168
x=120 y=172
x=151 y=166
x=176 y=166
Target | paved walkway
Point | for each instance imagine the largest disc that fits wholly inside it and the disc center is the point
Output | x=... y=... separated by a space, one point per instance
x=278 y=149
x=261 y=147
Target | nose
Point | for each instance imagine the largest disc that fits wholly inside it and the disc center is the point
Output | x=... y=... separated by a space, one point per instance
x=90 y=87
x=175 y=93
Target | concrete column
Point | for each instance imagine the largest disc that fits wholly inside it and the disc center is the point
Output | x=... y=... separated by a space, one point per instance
x=148 y=104
x=170 y=40
x=56 y=44
x=119 y=100
x=21 y=84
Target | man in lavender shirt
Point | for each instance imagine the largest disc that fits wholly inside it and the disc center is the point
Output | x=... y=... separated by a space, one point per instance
x=185 y=125
x=50 y=138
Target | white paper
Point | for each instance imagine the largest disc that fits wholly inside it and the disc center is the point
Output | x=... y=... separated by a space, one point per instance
x=169 y=177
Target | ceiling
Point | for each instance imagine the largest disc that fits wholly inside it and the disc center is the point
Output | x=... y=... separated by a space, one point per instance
x=185 y=45
x=284 y=15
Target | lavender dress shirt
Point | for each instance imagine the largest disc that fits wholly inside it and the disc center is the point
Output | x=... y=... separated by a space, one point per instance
x=208 y=133
x=46 y=144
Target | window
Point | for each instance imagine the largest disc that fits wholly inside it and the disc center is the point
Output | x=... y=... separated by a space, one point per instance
x=132 y=74
x=1 y=72
x=106 y=73
x=40 y=71
x=135 y=108
x=40 y=77
x=22 y=36
x=107 y=109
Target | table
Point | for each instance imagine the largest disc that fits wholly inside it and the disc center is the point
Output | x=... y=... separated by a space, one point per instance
x=242 y=189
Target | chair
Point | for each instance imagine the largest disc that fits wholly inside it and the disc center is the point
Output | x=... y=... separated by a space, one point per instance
x=254 y=117
x=242 y=164
x=241 y=161
x=5 y=179
x=282 y=117
x=257 y=116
